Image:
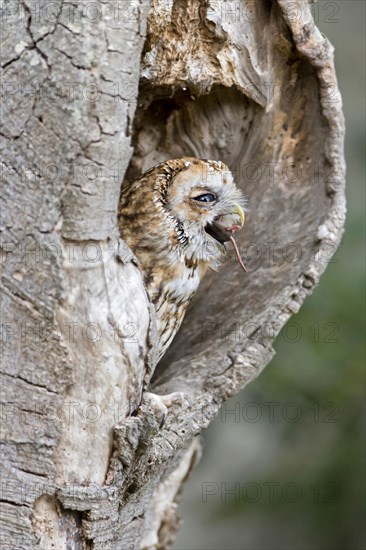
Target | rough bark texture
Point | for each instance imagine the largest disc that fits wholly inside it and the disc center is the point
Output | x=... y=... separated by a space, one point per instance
x=86 y=462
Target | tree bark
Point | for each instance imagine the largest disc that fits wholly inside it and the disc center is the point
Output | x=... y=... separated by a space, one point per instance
x=94 y=93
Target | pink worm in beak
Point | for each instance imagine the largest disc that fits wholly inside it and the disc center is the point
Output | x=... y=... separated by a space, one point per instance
x=235 y=246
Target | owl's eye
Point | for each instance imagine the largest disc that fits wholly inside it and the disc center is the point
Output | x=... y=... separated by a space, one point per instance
x=206 y=197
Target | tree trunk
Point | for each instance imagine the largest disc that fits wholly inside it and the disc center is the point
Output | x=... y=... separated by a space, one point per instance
x=93 y=92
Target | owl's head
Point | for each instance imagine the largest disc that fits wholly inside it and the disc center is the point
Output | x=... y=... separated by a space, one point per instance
x=207 y=206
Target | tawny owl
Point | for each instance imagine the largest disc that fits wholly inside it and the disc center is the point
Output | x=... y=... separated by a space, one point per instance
x=176 y=218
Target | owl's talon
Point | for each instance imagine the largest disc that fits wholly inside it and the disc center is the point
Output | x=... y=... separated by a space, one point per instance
x=163 y=420
x=176 y=397
x=159 y=405
x=155 y=405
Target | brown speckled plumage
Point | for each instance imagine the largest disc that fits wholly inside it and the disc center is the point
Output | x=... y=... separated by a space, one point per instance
x=163 y=220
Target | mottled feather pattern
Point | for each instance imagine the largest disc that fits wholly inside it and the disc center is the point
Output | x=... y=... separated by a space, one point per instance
x=163 y=218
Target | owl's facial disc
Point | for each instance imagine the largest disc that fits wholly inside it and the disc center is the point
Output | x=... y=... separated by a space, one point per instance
x=224 y=226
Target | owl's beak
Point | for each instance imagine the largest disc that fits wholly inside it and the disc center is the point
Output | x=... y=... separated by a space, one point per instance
x=224 y=226
x=236 y=218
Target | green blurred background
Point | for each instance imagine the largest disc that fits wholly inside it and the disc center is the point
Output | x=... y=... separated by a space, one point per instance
x=292 y=450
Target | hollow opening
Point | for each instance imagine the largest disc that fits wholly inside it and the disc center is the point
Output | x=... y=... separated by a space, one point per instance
x=277 y=160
